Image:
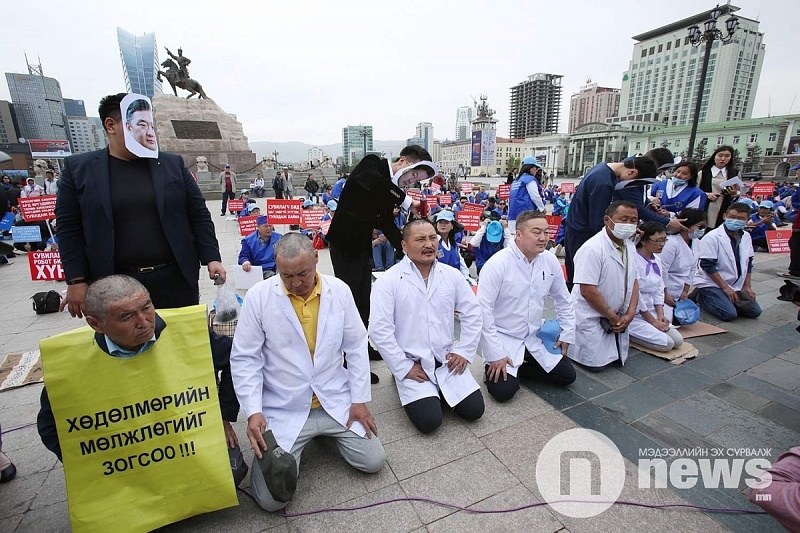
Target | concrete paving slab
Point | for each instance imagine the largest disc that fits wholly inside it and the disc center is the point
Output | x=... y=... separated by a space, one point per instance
x=611 y=377
x=640 y=365
x=704 y=413
x=767 y=390
x=779 y=372
x=728 y=362
x=54 y=518
x=669 y=433
x=782 y=415
x=792 y=356
x=633 y=401
x=741 y=397
x=681 y=381
x=523 y=406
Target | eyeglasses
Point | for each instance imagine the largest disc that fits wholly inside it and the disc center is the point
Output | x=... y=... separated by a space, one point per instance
x=659 y=241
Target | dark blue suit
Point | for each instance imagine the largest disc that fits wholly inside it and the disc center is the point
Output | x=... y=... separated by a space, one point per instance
x=86 y=223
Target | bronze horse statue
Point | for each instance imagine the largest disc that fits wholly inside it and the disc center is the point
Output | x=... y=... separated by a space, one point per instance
x=175 y=79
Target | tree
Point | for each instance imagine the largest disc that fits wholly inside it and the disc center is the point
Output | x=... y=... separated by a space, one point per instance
x=754 y=152
x=513 y=162
x=700 y=151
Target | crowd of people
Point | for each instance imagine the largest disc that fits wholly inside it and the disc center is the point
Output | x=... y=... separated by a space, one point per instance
x=638 y=235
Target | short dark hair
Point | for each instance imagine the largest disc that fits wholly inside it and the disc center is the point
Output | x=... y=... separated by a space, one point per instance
x=137 y=105
x=415 y=152
x=530 y=214
x=739 y=207
x=661 y=156
x=693 y=216
x=109 y=107
x=648 y=229
x=647 y=166
x=414 y=223
x=529 y=169
x=616 y=204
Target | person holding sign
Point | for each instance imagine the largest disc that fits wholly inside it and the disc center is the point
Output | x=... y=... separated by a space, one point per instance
x=287 y=368
x=515 y=284
x=120 y=213
x=171 y=445
x=258 y=248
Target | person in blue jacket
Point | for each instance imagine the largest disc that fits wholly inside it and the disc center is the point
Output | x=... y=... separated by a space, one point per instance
x=679 y=191
x=336 y=192
x=490 y=239
x=761 y=222
x=258 y=248
x=560 y=205
x=526 y=192
x=448 y=253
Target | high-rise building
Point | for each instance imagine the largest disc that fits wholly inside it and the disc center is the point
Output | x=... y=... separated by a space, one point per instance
x=425 y=134
x=86 y=134
x=8 y=123
x=463 y=123
x=353 y=142
x=74 y=108
x=140 y=65
x=38 y=105
x=664 y=73
x=592 y=104
x=535 y=106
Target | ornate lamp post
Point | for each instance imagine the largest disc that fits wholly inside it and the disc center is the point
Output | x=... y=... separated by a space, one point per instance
x=365 y=134
x=708 y=35
x=275 y=155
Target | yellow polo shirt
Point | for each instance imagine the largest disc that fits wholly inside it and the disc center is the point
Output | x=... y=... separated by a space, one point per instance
x=307 y=311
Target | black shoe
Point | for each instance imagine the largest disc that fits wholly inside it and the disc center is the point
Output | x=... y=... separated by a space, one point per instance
x=374 y=355
x=10 y=473
x=373 y=378
x=222 y=214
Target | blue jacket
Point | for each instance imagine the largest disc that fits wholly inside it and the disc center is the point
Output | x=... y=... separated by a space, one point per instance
x=520 y=200
x=257 y=253
x=336 y=192
x=449 y=257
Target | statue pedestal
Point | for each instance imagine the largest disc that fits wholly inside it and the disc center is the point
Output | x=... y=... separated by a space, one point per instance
x=196 y=127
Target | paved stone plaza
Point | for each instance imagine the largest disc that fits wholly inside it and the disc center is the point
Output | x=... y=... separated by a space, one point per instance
x=742 y=391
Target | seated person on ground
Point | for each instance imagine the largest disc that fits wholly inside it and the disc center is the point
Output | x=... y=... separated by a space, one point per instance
x=258 y=248
x=491 y=237
x=288 y=382
x=382 y=252
x=722 y=283
x=651 y=327
x=422 y=293
x=679 y=258
x=514 y=287
x=760 y=223
x=448 y=252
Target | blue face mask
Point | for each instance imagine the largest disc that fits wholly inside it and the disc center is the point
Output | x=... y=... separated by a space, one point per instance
x=734 y=225
x=678 y=182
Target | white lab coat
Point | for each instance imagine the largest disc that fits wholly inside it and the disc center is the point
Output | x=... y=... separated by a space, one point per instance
x=679 y=263
x=651 y=294
x=512 y=294
x=272 y=369
x=599 y=263
x=717 y=245
x=410 y=322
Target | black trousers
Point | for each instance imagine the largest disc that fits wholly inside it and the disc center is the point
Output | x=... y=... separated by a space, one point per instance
x=167 y=286
x=426 y=413
x=572 y=243
x=502 y=391
x=355 y=269
x=794 y=253
x=227 y=195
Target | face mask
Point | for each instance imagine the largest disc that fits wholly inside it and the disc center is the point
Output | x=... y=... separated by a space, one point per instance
x=697 y=234
x=734 y=225
x=678 y=182
x=623 y=231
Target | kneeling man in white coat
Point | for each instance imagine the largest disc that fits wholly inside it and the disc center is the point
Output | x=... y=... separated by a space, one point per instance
x=412 y=323
x=286 y=364
x=514 y=286
x=606 y=290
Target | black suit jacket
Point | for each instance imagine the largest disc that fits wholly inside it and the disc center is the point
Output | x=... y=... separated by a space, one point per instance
x=86 y=224
x=366 y=203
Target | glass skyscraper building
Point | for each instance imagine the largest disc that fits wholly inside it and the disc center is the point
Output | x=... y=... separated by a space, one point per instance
x=39 y=106
x=140 y=65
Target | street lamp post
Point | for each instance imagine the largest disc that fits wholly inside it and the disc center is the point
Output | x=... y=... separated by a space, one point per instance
x=709 y=34
x=555 y=165
x=365 y=134
x=275 y=156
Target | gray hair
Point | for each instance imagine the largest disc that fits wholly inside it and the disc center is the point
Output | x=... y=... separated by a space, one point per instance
x=106 y=291
x=293 y=244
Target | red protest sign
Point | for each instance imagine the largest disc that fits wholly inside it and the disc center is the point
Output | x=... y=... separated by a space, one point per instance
x=247 y=225
x=553 y=222
x=467 y=188
x=415 y=195
x=235 y=205
x=445 y=199
x=311 y=217
x=473 y=207
x=471 y=220
x=45 y=266
x=325 y=226
x=568 y=188
x=432 y=200
x=284 y=211
x=765 y=190
x=435 y=187
x=778 y=241
x=38 y=208
x=503 y=191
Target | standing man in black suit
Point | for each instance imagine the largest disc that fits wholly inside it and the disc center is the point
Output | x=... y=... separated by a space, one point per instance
x=367 y=202
x=121 y=214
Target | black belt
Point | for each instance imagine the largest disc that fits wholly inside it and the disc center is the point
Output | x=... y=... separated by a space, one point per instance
x=145 y=270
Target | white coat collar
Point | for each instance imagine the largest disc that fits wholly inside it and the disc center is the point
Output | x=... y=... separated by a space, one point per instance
x=613 y=246
x=410 y=273
x=285 y=305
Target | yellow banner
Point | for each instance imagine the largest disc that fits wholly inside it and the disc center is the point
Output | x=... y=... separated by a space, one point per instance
x=141 y=438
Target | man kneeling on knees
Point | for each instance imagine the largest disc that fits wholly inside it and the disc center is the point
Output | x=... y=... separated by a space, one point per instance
x=287 y=366
x=515 y=283
x=412 y=324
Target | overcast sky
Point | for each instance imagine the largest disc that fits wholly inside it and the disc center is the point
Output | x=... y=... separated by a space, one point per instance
x=301 y=70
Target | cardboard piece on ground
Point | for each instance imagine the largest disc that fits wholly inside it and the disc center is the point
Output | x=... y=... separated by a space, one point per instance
x=699 y=329
x=676 y=355
x=245 y=280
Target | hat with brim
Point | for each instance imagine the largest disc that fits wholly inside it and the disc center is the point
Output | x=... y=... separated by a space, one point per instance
x=790 y=292
x=494 y=232
x=530 y=160
x=744 y=303
x=279 y=468
x=548 y=334
x=261 y=220
x=445 y=215
x=332 y=205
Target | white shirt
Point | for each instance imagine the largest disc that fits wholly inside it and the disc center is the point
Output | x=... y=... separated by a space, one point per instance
x=411 y=321
x=32 y=191
x=715 y=171
x=533 y=192
x=51 y=187
x=679 y=263
x=651 y=285
x=717 y=245
x=512 y=294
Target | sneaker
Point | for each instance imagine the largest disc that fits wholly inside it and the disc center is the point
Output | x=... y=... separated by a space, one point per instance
x=9 y=473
